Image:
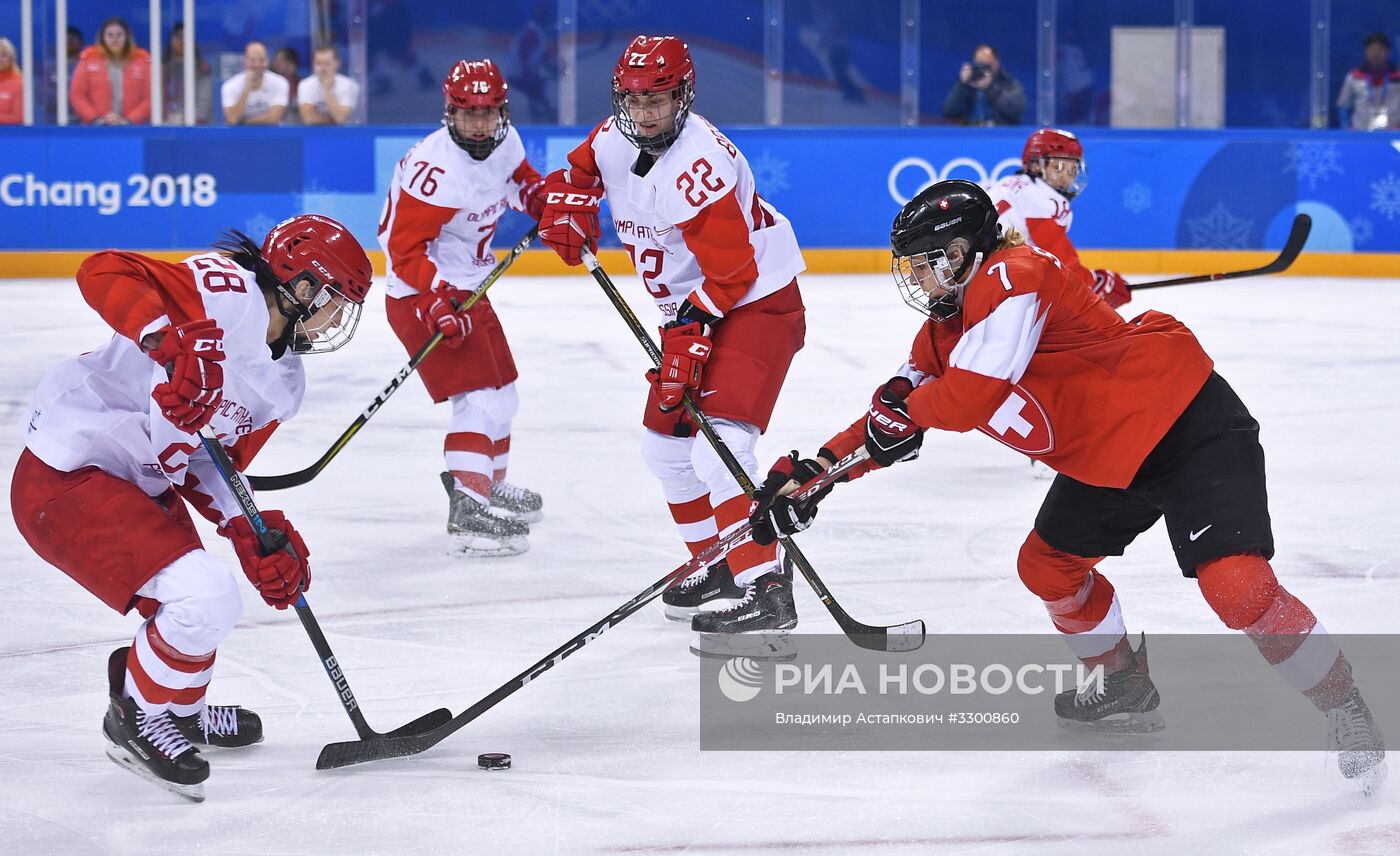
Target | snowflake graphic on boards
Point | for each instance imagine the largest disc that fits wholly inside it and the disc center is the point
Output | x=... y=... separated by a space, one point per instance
x=1362 y=230
x=770 y=174
x=1313 y=162
x=258 y=225
x=1385 y=196
x=1219 y=229
x=1137 y=197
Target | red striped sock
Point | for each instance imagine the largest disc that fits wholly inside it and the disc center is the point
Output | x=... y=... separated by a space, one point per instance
x=696 y=522
x=469 y=458
x=161 y=678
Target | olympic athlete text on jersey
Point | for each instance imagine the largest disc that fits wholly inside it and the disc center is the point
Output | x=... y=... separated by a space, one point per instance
x=111 y=458
x=722 y=266
x=445 y=199
x=1138 y=425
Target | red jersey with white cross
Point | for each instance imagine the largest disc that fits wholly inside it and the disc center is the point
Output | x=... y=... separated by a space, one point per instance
x=694 y=224
x=1041 y=364
x=441 y=212
x=96 y=410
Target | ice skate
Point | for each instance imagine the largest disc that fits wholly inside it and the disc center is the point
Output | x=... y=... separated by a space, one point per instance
x=756 y=625
x=1125 y=703
x=1357 y=740
x=224 y=725
x=476 y=531
x=151 y=746
x=517 y=502
x=710 y=584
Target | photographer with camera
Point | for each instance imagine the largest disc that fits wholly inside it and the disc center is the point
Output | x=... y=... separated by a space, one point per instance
x=985 y=94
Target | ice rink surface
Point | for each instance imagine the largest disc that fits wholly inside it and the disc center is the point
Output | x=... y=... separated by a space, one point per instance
x=606 y=745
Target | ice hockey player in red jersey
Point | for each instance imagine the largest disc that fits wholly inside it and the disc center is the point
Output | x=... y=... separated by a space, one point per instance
x=722 y=266
x=1036 y=202
x=111 y=460
x=445 y=199
x=1139 y=427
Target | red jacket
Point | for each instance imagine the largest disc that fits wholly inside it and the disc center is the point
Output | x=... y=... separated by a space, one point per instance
x=11 y=98
x=90 y=92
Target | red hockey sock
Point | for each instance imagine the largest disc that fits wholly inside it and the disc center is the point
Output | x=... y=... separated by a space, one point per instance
x=469 y=458
x=696 y=522
x=161 y=678
x=747 y=558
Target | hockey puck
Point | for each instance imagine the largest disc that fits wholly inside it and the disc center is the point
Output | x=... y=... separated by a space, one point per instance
x=493 y=761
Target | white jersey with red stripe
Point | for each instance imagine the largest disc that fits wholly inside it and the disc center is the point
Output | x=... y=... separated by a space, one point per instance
x=1041 y=214
x=694 y=225
x=96 y=410
x=442 y=209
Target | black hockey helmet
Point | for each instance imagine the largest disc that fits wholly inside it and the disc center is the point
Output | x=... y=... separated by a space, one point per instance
x=938 y=237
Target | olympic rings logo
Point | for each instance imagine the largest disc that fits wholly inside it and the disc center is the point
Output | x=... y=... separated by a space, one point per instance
x=1003 y=167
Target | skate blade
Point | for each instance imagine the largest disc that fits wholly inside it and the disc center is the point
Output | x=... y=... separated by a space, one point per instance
x=478 y=547
x=685 y=613
x=125 y=760
x=1148 y=722
x=769 y=645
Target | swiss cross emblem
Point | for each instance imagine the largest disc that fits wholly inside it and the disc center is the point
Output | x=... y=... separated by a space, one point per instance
x=1021 y=423
x=943 y=203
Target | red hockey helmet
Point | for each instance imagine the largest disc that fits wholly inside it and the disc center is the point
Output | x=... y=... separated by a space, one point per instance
x=1049 y=144
x=473 y=91
x=324 y=277
x=652 y=65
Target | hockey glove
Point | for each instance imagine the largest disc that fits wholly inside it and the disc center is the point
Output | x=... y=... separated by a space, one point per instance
x=685 y=348
x=281 y=576
x=569 y=216
x=437 y=309
x=890 y=435
x=773 y=514
x=1111 y=286
x=191 y=353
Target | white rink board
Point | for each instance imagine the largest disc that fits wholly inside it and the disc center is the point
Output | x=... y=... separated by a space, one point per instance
x=604 y=746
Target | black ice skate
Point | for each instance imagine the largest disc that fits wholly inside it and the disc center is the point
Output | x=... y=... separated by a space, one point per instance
x=150 y=746
x=754 y=626
x=225 y=725
x=1360 y=750
x=1125 y=703
x=517 y=502
x=476 y=531
x=712 y=583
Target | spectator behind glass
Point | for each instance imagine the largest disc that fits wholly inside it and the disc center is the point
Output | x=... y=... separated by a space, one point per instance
x=112 y=82
x=1370 y=96
x=326 y=98
x=985 y=94
x=11 y=86
x=255 y=96
x=287 y=62
x=173 y=69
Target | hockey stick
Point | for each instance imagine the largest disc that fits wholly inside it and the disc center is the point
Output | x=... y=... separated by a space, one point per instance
x=344 y=754
x=301 y=477
x=272 y=541
x=1297 y=237
x=901 y=637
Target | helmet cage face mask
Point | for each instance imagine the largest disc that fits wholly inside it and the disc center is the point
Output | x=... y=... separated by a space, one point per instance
x=477 y=148
x=1054 y=171
x=325 y=323
x=928 y=283
x=682 y=97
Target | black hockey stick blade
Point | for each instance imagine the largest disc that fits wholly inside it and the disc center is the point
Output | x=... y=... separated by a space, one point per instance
x=1297 y=237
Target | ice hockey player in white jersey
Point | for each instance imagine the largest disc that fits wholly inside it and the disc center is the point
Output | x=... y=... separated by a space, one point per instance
x=722 y=266
x=1036 y=202
x=445 y=199
x=112 y=458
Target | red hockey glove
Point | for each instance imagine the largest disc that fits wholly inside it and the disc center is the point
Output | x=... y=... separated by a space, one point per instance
x=685 y=348
x=437 y=309
x=280 y=577
x=1109 y=285
x=890 y=435
x=773 y=514
x=569 y=216
x=533 y=196
x=191 y=353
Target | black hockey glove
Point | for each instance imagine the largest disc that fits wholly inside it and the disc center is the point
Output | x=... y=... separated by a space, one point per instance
x=774 y=515
x=890 y=435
